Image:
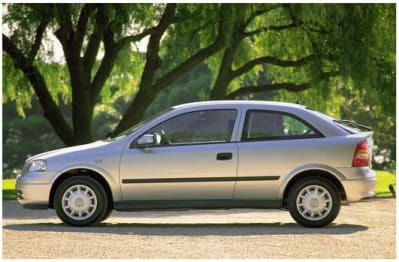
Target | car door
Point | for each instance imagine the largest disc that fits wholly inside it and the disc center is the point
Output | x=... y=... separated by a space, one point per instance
x=272 y=144
x=195 y=159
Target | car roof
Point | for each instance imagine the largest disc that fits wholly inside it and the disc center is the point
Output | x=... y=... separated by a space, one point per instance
x=322 y=124
x=238 y=103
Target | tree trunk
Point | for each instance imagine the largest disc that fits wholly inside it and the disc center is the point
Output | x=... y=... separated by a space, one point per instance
x=82 y=114
x=219 y=89
x=82 y=106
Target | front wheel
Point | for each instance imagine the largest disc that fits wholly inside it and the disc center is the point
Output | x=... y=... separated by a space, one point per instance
x=314 y=202
x=80 y=201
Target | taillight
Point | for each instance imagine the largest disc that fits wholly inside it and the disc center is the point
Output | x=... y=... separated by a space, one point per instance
x=361 y=156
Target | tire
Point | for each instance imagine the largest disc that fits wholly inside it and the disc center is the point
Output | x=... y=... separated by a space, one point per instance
x=314 y=202
x=81 y=201
x=107 y=214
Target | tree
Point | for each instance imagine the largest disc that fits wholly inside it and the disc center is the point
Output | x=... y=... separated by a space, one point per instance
x=300 y=46
x=82 y=30
x=249 y=48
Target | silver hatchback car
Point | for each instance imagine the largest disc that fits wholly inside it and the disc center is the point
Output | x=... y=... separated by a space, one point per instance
x=220 y=154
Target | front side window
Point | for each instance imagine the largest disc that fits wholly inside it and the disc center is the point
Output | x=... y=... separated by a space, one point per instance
x=267 y=125
x=207 y=126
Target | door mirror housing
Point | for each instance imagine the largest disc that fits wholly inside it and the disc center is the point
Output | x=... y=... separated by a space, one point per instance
x=149 y=140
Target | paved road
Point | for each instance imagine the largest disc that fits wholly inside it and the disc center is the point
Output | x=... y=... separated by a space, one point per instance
x=362 y=230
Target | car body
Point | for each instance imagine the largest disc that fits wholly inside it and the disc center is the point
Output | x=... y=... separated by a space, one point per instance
x=213 y=154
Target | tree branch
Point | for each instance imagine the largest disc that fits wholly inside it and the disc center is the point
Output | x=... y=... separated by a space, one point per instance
x=192 y=61
x=278 y=86
x=153 y=62
x=95 y=39
x=270 y=28
x=38 y=39
x=65 y=32
x=188 y=64
x=82 y=24
x=315 y=48
x=134 y=38
x=50 y=109
x=273 y=61
x=107 y=63
x=142 y=98
x=266 y=88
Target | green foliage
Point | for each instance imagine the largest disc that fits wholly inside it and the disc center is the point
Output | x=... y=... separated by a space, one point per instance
x=23 y=20
x=24 y=137
x=129 y=17
x=361 y=40
x=15 y=84
x=196 y=28
x=14 y=87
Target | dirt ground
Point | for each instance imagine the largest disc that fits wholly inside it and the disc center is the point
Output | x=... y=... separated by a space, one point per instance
x=362 y=230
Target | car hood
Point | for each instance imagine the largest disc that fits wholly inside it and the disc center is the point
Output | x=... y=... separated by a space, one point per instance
x=68 y=150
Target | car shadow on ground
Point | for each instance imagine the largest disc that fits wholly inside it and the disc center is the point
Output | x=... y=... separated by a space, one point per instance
x=185 y=229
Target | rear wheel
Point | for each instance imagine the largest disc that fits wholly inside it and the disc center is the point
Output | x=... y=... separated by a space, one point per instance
x=314 y=202
x=81 y=201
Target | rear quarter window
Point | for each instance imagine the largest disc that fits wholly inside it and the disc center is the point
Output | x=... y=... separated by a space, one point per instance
x=272 y=125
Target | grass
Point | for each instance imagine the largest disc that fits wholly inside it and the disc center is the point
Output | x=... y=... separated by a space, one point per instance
x=9 y=192
x=384 y=179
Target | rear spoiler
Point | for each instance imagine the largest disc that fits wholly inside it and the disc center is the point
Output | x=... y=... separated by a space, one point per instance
x=353 y=124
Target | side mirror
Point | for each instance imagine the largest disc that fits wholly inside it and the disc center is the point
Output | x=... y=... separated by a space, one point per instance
x=149 y=140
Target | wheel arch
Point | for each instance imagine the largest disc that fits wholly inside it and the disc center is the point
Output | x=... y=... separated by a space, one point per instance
x=82 y=171
x=314 y=172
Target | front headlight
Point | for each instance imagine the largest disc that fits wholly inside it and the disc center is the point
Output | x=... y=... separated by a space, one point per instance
x=37 y=166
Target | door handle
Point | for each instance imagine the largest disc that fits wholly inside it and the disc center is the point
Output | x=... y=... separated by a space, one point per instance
x=224 y=156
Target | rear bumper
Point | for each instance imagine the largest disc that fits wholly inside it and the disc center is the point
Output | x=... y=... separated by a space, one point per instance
x=360 y=184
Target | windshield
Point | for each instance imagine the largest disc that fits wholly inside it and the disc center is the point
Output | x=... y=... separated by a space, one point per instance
x=139 y=125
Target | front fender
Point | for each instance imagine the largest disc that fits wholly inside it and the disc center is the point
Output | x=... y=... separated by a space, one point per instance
x=113 y=184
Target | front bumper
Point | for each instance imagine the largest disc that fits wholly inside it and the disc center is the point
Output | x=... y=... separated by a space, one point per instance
x=359 y=184
x=33 y=190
